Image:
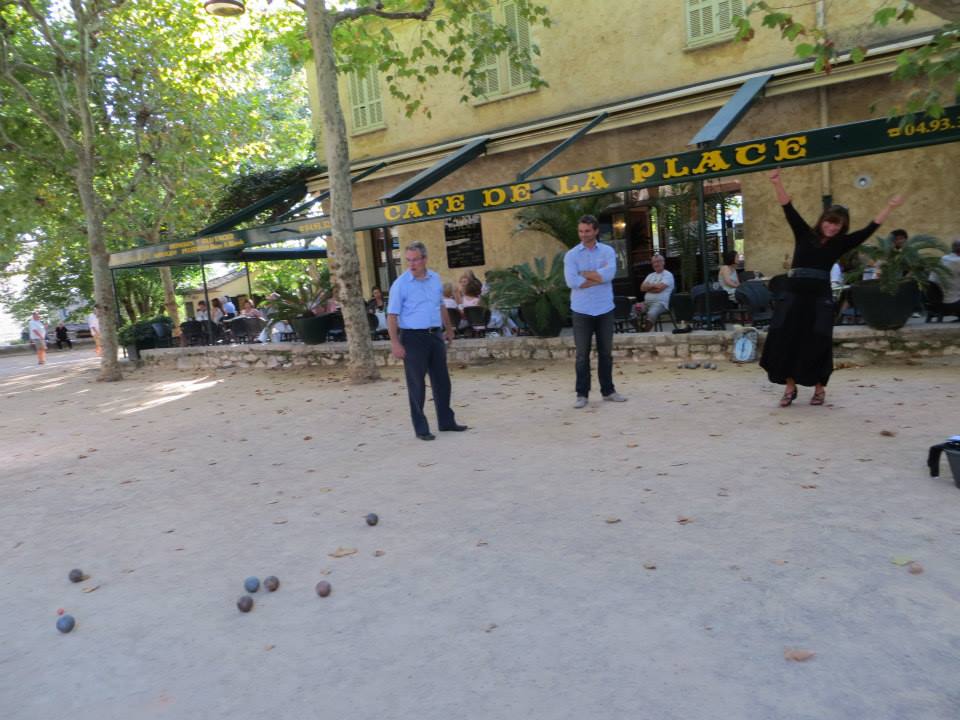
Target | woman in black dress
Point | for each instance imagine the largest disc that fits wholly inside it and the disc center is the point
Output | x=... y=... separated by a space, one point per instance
x=799 y=346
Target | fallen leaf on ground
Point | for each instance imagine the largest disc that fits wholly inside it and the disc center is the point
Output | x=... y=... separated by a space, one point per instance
x=901 y=560
x=425 y=464
x=343 y=552
x=779 y=562
x=279 y=522
x=305 y=437
x=490 y=627
x=631 y=445
x=683 y=520
x=797 y=655
x=379 y=553
x=809 y=487
x=914 y=568
x=481 y=543
x=94 y=587
x=269 y=647
x=612 y=520
x=888 y=433
x=649 y=566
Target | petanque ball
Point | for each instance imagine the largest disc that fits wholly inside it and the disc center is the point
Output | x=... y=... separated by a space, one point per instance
x=372 y=519
x=76 y=575
x=323 y=588
x=271 y=583
x=245 y=604
x=66 y=623
x=251 y=584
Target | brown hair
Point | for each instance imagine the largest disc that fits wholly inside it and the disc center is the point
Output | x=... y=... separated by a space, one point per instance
x=834 y=213
x=589 y=220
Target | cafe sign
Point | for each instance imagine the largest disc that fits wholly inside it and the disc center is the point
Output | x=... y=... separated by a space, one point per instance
x=800 y=148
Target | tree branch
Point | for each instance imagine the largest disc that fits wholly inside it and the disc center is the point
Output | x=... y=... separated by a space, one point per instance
x=378 y=11
x=58 y=50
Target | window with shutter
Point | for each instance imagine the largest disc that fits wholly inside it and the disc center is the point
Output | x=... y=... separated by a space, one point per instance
x=710 y=21
x=519 y=30
x=489 y=82
x=500 y=75
x=366 y=104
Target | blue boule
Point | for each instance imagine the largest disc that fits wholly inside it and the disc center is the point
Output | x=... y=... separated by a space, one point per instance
x=372 y=519
x=66 y=623
x=251 y=584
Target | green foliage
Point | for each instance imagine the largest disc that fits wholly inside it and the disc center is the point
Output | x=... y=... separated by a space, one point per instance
x=248 y=188
x=532 y=288
x=293 y=294
x=457 y=38
x=559 y=219
x=935 y=65
x=911 y=262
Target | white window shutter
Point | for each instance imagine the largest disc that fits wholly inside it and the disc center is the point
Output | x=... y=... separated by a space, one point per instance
x=519 y=30
x=727 y=12
x=489 y=69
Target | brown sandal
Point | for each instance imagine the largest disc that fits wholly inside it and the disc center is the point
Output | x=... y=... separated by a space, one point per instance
x=818 y=397
x=788 y=398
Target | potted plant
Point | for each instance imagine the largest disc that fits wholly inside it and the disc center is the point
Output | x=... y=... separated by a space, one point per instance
x=296 y=308
x=543 y=297
x=887 y=302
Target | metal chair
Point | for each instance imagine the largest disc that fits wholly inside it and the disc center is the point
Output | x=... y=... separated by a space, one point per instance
x=192 y=332
x=336 y=331
x=718 y=301
x=624 y=316
x=756 y=300
x=455 y=318
x=477 y=318
x=239 y=330
x=164 y=337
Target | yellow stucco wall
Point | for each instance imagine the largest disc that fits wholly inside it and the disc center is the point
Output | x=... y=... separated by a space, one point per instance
x=624 y=50
x=622 y=53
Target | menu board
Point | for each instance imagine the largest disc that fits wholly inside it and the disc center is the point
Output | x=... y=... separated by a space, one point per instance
x=464 y=240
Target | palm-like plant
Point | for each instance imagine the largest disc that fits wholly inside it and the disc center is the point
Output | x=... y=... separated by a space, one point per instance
x=542 y=296
x=559 y=219
x=908 y=262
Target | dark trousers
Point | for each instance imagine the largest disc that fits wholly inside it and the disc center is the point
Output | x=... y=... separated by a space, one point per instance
x=426 y=354
x=61 y=341
x=584 y=328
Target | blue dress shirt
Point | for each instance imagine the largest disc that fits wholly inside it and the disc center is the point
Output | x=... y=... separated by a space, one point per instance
x=416 y=303
x=596 y=299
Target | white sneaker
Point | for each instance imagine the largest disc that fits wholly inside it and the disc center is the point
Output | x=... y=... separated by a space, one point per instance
x=581 y=402
x=614 y=397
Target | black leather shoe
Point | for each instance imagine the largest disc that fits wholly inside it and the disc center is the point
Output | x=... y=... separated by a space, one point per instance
x=455 y=428
x=426 y=436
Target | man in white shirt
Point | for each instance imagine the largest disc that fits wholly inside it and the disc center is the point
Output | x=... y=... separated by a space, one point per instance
x=950 y=285
x=93 y=322
x=657 y=288
x=38 y=336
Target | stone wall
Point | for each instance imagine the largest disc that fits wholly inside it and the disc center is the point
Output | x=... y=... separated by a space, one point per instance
x=852 y=344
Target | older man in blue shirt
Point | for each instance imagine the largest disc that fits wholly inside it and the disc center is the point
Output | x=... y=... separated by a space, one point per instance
x=418 y=325
x=589 y=269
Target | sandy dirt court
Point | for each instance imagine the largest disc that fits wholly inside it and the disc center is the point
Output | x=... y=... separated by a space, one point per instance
x=652 y=559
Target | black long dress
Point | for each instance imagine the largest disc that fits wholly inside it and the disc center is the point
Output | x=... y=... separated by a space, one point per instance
x=800 y=342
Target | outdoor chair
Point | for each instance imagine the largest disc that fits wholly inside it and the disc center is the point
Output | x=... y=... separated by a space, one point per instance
x=239 y=330
x=374 y=324
x=936 y=308
x=624 y=317
x=455 y=318
x=336 y=332
x=163 y=336
x=719 y=300
x=192 y=332
x=477 y=318
x=755 y=300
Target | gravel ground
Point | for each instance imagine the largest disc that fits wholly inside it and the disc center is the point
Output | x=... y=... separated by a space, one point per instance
x=659 y=558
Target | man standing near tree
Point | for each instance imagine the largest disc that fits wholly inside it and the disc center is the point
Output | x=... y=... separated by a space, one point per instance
x=589 y=269
x=38 y=336
x=418 y=325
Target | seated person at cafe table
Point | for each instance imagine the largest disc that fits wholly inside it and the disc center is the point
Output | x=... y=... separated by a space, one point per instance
x=657 y=288
x=250 y=310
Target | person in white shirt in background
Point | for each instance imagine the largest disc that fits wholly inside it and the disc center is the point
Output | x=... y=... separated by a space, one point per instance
x=93 y=322
x=38 y=336
x=657 y=288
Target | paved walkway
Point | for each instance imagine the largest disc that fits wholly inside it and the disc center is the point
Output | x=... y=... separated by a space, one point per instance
x=651 y=559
